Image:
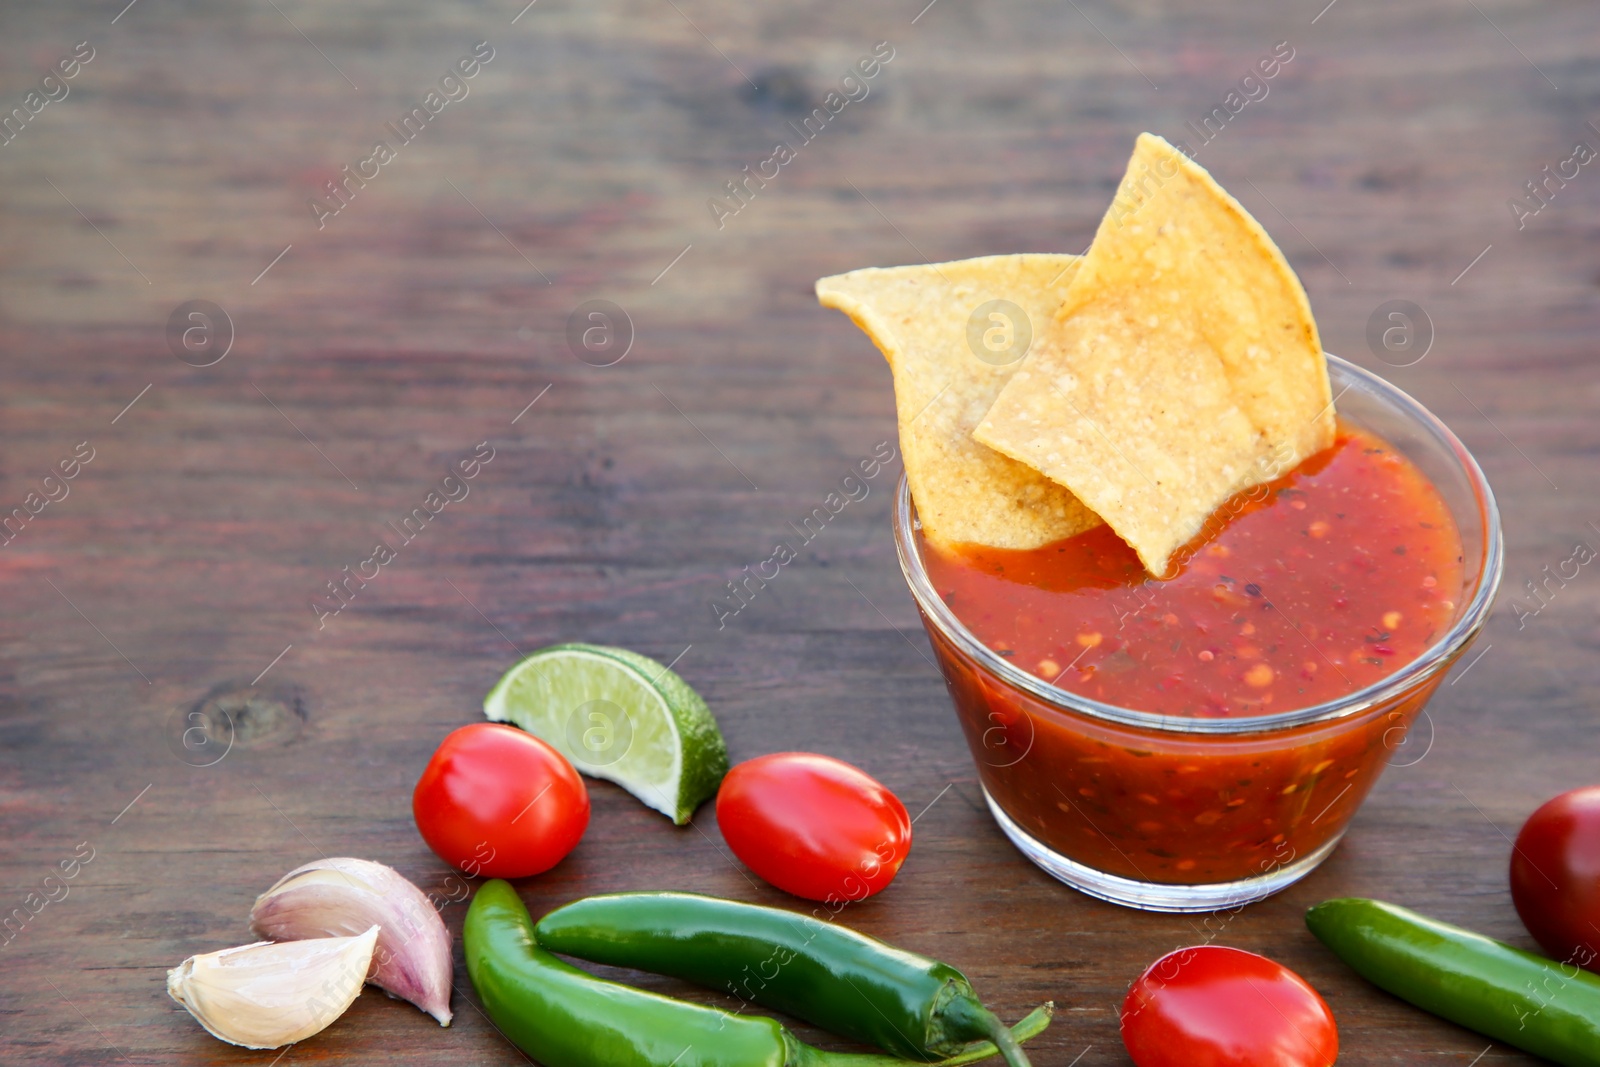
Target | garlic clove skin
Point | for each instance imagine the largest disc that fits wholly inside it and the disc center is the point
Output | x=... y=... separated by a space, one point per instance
x=268 y=995
x=343 y=896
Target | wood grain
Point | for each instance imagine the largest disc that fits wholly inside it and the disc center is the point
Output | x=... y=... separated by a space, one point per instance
x=433 y=308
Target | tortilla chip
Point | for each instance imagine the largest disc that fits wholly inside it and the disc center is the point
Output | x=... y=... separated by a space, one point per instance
x=1173 y=228
x=1138 y=422
x=919 y=318
x=1183 y=365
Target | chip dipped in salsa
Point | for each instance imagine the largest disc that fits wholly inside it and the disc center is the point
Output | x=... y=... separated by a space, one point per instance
x=1302 y=590
x=1186 y=598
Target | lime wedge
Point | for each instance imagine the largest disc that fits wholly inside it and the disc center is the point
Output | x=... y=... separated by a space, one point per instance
x=620 y=716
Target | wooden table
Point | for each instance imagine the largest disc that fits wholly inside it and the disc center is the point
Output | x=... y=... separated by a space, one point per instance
x=431 y=313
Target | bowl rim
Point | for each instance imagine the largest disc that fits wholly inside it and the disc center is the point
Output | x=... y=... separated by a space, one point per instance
x=1383 y=692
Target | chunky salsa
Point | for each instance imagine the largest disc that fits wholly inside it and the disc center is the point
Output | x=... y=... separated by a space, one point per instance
x=1307 y=588
x=1310 y=587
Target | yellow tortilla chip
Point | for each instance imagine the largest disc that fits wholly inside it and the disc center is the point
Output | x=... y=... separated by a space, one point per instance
x=1183 y=365
x=1138 y=421
x=954 y=333
x=1172 y=227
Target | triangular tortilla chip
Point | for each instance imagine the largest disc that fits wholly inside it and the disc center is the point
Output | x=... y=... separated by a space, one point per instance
x=1183 y=365
x=1138 y=422
x=1172 y=228
x=919 y=317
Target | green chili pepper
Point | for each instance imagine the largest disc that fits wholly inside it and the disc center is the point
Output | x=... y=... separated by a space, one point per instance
x=823 y=973
x=564 y=1017
x=1547 y=1008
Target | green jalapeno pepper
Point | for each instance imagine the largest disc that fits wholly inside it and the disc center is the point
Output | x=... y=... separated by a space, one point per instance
x=565 y=1017
x=821 y=972
x=1550 y=1009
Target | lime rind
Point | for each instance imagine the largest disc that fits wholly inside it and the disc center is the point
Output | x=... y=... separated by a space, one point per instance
x=664 y=747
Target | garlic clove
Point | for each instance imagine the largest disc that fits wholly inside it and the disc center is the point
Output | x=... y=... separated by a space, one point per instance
x=343 y=896
x=266 y=995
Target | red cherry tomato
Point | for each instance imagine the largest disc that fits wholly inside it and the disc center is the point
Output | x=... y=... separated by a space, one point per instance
x=498 y=802
x=1555 y=877
x=814 y=826
x=1211 y=1006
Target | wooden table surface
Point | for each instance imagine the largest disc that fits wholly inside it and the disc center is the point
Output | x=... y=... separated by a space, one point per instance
x=432 y=310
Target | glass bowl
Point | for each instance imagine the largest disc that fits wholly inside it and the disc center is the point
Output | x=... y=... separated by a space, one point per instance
x=1077 y=785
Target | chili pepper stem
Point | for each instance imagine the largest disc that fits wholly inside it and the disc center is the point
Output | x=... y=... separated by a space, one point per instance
x=1010 y=1051
x=967 y=1014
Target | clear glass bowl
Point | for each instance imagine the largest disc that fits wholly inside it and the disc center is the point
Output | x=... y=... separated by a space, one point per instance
x=1302 y=773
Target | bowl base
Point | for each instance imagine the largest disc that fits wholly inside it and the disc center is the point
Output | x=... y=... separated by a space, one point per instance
x=1155 y=896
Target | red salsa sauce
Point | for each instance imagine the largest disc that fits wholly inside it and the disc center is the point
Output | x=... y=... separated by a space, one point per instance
x=1300 y=591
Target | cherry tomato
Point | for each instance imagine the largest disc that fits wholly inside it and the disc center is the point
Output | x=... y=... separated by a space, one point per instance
x=498 y=802
x=814 y=826
x=1555 y=877
x=1211 y=1006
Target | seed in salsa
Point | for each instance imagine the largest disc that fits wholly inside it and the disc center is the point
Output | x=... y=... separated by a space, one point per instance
x=1300 y=591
